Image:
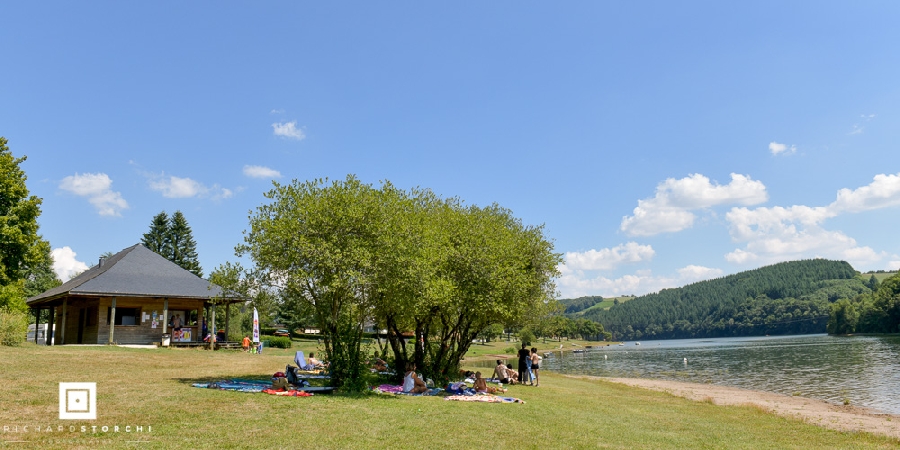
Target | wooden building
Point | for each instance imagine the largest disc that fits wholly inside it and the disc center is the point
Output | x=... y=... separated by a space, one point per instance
x=134 y=297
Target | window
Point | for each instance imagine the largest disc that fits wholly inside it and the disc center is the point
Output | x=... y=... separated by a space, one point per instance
x=125 y=316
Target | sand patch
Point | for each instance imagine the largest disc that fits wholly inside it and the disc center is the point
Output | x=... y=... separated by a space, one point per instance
x=813 y=411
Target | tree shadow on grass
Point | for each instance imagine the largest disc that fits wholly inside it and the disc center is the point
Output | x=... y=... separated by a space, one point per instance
x=256 y=377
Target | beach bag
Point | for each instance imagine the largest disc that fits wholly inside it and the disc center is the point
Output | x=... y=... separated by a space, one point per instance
x=281 y=383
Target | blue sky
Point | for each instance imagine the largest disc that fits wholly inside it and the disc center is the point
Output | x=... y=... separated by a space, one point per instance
x=660 y=143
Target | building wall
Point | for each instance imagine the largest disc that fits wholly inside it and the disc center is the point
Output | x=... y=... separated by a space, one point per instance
x=74 y=315
x=95 y=320
x=143 y=332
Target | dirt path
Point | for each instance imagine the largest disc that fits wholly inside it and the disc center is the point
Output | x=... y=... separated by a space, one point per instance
x=817 y=412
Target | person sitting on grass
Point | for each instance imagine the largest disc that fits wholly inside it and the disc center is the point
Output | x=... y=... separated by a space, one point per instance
x=378 y=364
x=502 y=373
x=481 y=386
x=412 y=384
x=511 y=372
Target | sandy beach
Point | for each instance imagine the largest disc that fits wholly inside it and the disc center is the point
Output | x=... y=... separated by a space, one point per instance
x=813 y=411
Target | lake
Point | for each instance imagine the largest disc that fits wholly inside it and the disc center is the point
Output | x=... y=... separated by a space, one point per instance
x=864 y=370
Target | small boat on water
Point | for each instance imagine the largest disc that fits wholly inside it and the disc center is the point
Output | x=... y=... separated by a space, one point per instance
x=578 y=350
x=637 y=343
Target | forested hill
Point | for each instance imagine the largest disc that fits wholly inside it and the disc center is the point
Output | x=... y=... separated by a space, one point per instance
x=574 y=305
x=785 y=298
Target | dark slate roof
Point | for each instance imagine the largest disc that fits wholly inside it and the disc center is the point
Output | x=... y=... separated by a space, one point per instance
x=134 y=272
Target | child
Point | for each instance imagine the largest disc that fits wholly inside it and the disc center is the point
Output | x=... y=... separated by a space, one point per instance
x=481 y=386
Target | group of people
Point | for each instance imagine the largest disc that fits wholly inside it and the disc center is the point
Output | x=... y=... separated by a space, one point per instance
x=529 y=366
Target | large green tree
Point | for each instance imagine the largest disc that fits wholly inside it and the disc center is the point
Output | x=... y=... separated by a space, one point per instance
x=312 y=242
x=409 y=261
x=23 y=252
x=172 y=238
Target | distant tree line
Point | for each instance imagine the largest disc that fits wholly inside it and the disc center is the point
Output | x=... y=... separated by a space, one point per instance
x=786 y=298
x=574 y=305
x=877 y=311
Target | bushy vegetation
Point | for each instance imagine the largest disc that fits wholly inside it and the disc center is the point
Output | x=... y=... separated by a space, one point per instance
x=786 y=298
x=13 y=326
x=276 y=341
x=877 y=311
x=348 y=253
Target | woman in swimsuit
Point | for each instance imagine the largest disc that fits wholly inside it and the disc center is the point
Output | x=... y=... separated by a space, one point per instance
x=535 y=365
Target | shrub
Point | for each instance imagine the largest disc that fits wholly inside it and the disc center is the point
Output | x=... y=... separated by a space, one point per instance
x=276 y=341
x=13 y=327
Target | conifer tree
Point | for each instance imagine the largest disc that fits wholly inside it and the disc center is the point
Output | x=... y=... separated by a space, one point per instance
x=172 y=238
x=158 y=239
x=184 y=248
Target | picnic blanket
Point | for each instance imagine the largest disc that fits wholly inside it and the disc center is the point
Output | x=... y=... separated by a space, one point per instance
x=395 y=389
x=251 y=386
x=485 y=398
x=287 y=393
x=237 y=385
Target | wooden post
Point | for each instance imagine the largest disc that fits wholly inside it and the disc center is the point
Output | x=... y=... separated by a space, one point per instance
x=227 y=319
x=50 y=326
x=112 y=320
x=62 y=326
x=37 y=318
x=165 y=317
x=212 y=320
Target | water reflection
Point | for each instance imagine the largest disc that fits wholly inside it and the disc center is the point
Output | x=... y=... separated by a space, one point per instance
x=863 y=370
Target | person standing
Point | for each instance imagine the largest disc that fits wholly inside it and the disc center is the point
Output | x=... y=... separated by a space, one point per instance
x=535 y=365
x=524 y=362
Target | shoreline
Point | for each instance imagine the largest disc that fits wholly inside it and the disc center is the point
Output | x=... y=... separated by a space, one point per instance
x=808 y=410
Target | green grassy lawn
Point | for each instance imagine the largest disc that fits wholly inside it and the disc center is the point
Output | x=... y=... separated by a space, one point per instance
x=606 y=304
x=881 y=276
x=152 y=388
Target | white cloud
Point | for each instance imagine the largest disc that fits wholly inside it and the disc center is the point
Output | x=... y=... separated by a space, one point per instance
x=780 y=234
x=694 y=273
x=609 y=258
x=575 y=284
x=261 y=172
x=65 y=265
x=276 y=111
x=670 y=210
x=97 y=187
x=777 y=148
x=222 y=193
x=288 y=130
x=882 y=192
x=746 y=224
x=178 y=187
x=893 y=265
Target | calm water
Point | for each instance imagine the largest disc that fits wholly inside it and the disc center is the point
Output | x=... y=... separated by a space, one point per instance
x=863 y=369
